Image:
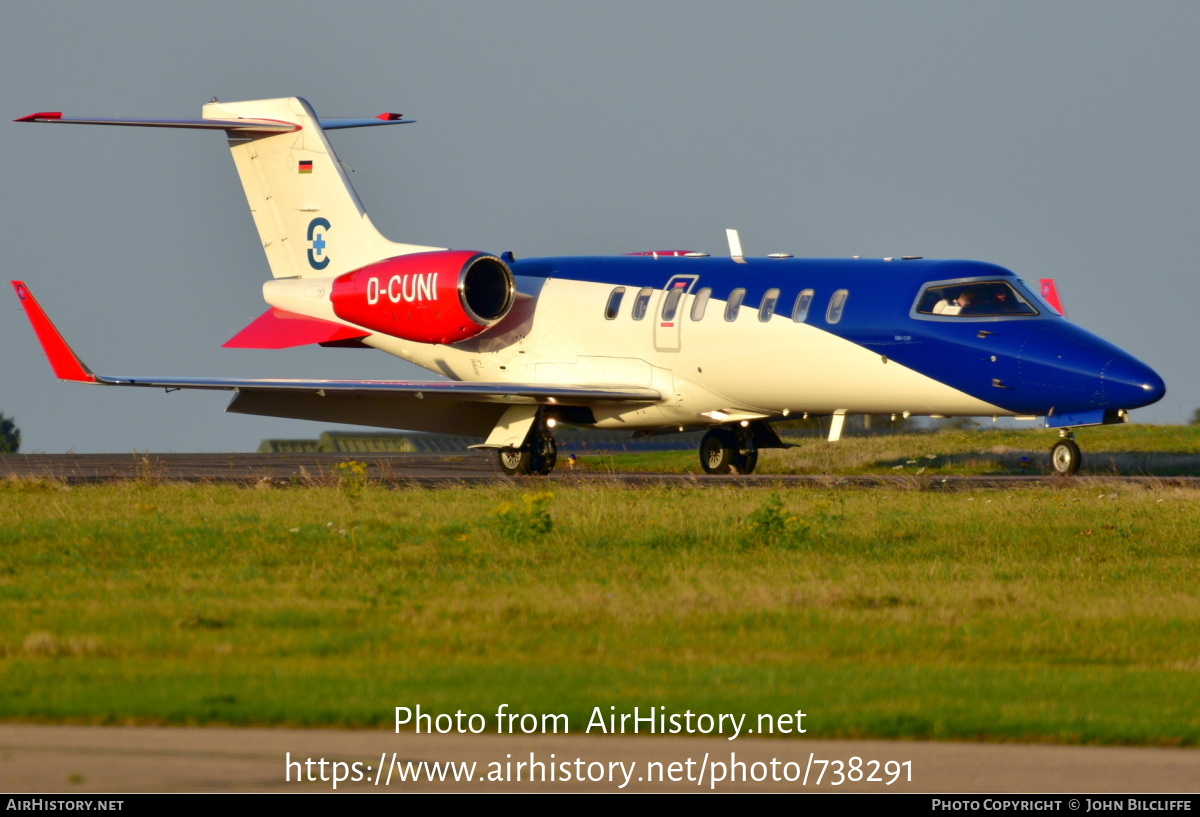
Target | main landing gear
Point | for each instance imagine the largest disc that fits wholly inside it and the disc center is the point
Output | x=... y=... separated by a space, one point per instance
x=729 y=449
x=1064 y=456
x=536 y=457
x=725 y=450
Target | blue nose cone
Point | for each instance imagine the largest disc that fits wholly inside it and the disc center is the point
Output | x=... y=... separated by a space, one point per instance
x=1129 y=383
x=1065 y=369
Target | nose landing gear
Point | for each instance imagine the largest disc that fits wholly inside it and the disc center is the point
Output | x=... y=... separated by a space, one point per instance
x=1065 y=456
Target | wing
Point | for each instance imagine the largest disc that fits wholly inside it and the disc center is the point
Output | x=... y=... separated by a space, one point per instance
x=443 y=406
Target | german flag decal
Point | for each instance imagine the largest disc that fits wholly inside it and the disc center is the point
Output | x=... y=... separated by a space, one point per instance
x=306 y=166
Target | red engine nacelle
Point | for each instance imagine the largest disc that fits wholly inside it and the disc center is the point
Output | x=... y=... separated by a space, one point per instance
x=428 y=297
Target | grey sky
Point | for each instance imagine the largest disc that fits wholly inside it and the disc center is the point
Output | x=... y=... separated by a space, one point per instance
x=1057 y=139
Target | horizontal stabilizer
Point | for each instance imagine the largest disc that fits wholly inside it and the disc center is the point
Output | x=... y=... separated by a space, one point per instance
x=309 y=219
x=280 y=329
x=257 y=125
x=338 y=123
x=243 y=125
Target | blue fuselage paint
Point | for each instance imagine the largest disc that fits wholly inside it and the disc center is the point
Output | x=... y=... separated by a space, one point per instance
x=1035 y=364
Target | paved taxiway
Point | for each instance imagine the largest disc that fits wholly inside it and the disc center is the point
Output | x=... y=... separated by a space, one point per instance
x=443 y=469
x=66 y=759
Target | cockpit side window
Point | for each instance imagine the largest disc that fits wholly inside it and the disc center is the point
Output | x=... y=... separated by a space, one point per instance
x=974 y=299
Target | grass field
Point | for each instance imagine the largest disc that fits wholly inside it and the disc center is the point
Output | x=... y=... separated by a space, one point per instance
x=1037 y=614
x=1107 y=450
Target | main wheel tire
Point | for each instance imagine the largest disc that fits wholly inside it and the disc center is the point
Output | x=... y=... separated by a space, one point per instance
x=545 y=455
x=1065 y=458
x=718 y=451
x=516 y=462
x=745 y=463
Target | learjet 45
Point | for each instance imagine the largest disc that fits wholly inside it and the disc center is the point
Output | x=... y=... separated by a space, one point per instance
x=652 y=342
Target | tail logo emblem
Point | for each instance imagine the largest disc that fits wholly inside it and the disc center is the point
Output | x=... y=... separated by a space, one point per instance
x=317 y=259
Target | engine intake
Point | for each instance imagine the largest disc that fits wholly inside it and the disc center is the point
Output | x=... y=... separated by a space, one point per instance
x=430 y=297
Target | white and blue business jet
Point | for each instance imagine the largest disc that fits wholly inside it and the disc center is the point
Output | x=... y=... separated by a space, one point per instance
x=655 y=342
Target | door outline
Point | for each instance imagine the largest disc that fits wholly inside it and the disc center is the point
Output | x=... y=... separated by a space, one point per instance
x=667 y=332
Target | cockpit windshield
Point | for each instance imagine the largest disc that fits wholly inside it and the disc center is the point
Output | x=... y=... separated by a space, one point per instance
x=975 y=299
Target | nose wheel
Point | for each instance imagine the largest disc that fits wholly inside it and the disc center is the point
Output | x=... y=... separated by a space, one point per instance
x=1065 y=457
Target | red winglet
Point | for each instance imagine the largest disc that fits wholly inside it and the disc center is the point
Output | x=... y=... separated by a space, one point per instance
x=390 y=117
x=66 y=364
x=1050 y=295
x=37 y=117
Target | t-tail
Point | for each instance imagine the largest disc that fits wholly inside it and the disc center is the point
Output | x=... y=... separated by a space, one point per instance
x=309 y=218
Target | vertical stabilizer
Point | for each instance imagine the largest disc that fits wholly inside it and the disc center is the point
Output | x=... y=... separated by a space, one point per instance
x=309 y=219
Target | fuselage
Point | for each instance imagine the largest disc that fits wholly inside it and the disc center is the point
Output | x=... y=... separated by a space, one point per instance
x=761 y=337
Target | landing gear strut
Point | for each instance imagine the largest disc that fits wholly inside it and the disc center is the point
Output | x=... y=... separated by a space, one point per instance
x=726 y=451
x=1065 y=456
x=536 y=457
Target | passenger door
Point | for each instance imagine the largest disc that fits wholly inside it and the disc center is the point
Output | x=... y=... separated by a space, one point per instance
x=670 y=310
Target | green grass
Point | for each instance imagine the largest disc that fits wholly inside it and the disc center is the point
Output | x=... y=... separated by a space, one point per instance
x=1066 y=615
x=1107 y=450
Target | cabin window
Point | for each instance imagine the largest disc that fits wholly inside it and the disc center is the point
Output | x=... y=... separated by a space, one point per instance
x=767 y=309
x=974 y=299
x=701 y=302
x=800 y=310
x=641 y=302
x=671 y=303
x=734 y=304
x=836 y=304
x=614 y=303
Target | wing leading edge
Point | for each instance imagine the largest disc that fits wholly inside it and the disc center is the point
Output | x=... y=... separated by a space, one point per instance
x=450 y=407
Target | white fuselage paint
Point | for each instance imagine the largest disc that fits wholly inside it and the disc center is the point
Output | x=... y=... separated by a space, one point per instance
x=744 y=368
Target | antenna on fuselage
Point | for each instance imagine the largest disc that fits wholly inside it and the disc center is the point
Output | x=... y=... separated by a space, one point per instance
x=735 y=246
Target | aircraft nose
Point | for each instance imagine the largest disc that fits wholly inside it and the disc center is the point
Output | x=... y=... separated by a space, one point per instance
x=1129 y=383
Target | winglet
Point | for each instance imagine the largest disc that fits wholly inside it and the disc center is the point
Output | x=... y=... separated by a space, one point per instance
x=66 y=364
x=44 y=116
x=1050 y=295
